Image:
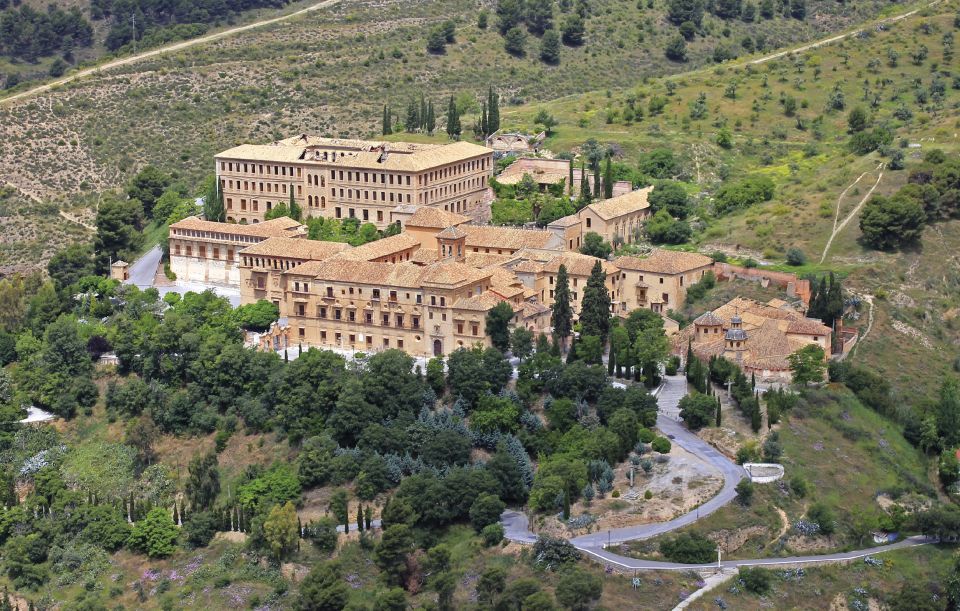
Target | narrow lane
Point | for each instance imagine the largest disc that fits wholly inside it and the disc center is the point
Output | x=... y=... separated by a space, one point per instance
x=516 y=524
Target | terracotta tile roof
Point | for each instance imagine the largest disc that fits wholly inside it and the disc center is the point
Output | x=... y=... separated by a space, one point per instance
x=808 y=326
x=484 y=259
x=623 y=204
x=435 y=218
x=534 y=308
x=767 y=341
x=411 y=161
x=543 y=171
x=383 y=247
x=478 y=303
x=263 y=152
x=485 y=236
x=306 y=140
x=528 y=266
x=279 y=227
x=501 y=278
x=296 y=248
x=708 y=319
x=406 y=275
x=452 y=233
x=424 y=256
x=451 y=273
x=576 y=264
x=663 y=261
x=566 y=221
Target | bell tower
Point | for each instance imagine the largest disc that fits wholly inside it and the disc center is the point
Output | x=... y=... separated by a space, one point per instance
x=452 y=245
x=735 y=339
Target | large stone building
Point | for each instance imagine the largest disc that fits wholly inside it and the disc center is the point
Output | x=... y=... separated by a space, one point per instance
x=547 y=173
x=208 y=252
x=617 y=220
x=658 y=282
x=339 y=178
x=758 y=337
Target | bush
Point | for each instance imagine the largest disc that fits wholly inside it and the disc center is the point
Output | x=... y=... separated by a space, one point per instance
x=661 y=444
x=823 y=517
x=743 y=193
x=689 y=548
x=553 y=553
x=796 y=257
x=155 y=535
x=485 y=511
x=745 y=492
x=199 y=528
x=799 y=486
x=492 y=534
x=323 y=534
x=755 y=580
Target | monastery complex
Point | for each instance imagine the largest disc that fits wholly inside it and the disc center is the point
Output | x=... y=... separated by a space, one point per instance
x=427 y=290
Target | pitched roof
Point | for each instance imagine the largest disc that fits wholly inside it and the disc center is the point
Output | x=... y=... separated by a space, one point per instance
x=708 y=319
x=435 y=218
x=283 y=226
x=509 y=237
x=278 y=153
x=451 y=233
x=383 y=247
x=566 y=221
x=623 y=204
x=664 y=262
x=411 y=162
x=478 y=303
x=576 y=264
x=296 y=248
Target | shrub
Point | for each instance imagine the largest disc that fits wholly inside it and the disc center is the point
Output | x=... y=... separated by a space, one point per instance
x=155 y=535
x=799 y=486
x=796 y=257
x=743 y=193
x=689 y=548
x=492 y=534
x=745 y=492
x=823 y=517
x=323 y=534
x=553 y=553
x=756 y=580
x=199 y=528
x=661 y=444
x=648 y=495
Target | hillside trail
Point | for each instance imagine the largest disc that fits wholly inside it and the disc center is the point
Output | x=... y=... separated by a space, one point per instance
x=869 y=300
x=178 y=46
x=837 y=228
x=839 y=37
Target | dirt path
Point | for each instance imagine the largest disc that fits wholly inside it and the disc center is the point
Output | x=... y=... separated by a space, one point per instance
x=838 y=228
x=166 y=49
x=839 y=37
x=869 y=300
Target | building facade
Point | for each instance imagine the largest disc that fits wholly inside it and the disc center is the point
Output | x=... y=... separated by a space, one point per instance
x=339 y=178
x=660 y=281
x=209 y=252
x=758 y=337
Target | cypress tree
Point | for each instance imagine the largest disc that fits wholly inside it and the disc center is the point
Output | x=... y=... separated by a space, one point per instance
x=566 y=505
x=718 y=411
x=423 y=113
x=431 y=118
x=295 y=212
x=413 y=117
x=596 y=181
x=585 y=197
x=595 y=311
x=484 y=125
x=386 y=121
x=367 y=516
x=493 y=111
x=359 y=518
x=561 y=318
x=570 y=179
x=453 y=120
x=611 y=361
x=608 y=179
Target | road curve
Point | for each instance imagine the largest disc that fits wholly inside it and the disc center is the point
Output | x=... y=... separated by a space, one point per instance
x=516 y=524
x=178 y=46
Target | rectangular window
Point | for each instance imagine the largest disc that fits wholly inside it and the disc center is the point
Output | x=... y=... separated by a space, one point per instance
x=460 y=328
x=368 y=318
x=386 y=342
x=475 y=328
x=301 y=332
x=338 y=314
x=386 y=320
x=352 y=316
x=322 y=312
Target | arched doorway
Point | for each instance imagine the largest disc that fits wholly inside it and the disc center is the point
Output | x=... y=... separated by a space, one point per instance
x=437 y=348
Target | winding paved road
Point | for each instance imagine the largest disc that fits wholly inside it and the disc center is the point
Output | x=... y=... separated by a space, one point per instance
x=516 y=525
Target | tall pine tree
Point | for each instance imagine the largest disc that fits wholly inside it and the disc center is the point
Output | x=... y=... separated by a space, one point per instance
x=484 y=125
x=562 y=316
x=295 y=212
x=431 y=123
x=595 y=309
x=608 y=179
x=596 y=181
x=493 y=111
x=413 y=117
x=423 y=113
x=213 y=203
x=387 y=129
x=585 y=197
x=453 y=120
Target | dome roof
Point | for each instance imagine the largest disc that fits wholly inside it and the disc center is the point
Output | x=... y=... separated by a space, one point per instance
x=735 y=335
